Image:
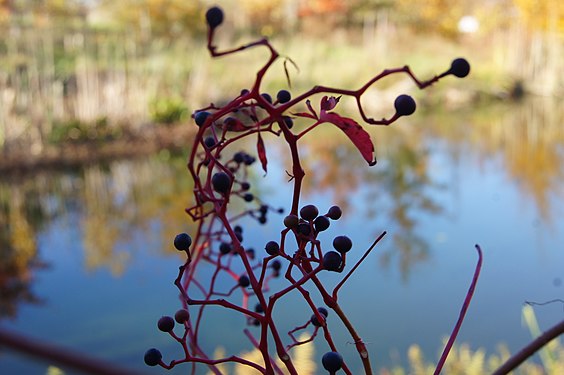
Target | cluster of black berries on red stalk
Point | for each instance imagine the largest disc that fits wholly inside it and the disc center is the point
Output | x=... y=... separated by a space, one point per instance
x=221 y=170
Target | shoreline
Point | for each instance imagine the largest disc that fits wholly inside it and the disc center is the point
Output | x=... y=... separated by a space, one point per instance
x=73 y=155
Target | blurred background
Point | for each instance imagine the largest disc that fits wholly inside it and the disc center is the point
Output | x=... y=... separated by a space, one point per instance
x=95 y=105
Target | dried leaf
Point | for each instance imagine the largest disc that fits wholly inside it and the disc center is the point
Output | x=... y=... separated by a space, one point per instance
x=261 y=151
x=233 y=124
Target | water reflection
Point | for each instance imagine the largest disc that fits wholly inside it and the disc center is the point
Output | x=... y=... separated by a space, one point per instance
x=18 y=249
x=109 y=203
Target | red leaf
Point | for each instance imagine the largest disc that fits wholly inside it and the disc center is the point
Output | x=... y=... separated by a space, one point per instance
x=328 y=103
x=359 y=137
x=261 y=152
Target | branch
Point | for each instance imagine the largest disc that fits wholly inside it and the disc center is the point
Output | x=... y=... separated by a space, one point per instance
x=463 y=310
x=530 y=349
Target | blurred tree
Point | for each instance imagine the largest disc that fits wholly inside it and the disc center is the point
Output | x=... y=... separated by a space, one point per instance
x=546 y=15
x=162 y=18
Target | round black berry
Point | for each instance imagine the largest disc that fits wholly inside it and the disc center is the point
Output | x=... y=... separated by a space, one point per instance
x=249 y=159
x=262 y=219
x=342 y=244
x=221 y=182
x=238 y=229
x=332 y=361
x=276 y=265
x=309 y=212
x=182 y=241
x=304 y=229
x=272 y=248
x=291 y=221
x=239 y=157
x=258 y=308
x=182 y=316
x=283 y=96
x=239 y=236
x=166 y=323
x=244 y=92
x=250 y=253
x=267 y=97
x=321 y=223
x=209 y=142
x=244 y=281
x=404 y=105
x=288 y=121
x=153 y=357
x=323 y=311
x=459 y=68
x=200 y=117
x=245 y=186
x=332 y=261
x=248 y=197
x=214 y=17
x=315 y=321
x=334 y=213
x=263 y=209
x=225 y=248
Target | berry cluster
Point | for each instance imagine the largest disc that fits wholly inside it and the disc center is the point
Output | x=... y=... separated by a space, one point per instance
x=220 y=172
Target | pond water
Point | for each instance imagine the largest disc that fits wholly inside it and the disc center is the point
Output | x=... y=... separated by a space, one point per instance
x=88 y=261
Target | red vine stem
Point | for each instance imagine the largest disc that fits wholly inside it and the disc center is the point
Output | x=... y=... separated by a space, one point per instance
x=461 y=315
x=530 y=349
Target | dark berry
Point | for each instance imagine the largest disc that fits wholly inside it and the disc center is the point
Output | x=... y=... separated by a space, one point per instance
x=283 y=96
x=323 y=311
x=309 y=212
x=263 y=209
x=276 y=265
x=244 y=281
x=166 y=323
x=291 y=221
x=239 y=236
x=459 y=68
x=272 y=248
x=334 y=213
x=315 y=321
x=304 y=229
x=229 y=122
x=245 y=186
x=404 y=105
x=288 y=121
x=248 y=197
x=262 y=219
x=332 y=361
x=182 y=316
x=321 y=223
x=238 y=229
x=209 y=142
x=256 y=322
x=225 y=248
x=244 y=92
x=342 y=244
x=153 y=357
x=332 y=261
x=267 y=97
x=249 y=159
x=200 y=117
x=214 y=17
x=221 y=182
x=258 y=308
x=182 y=241
x=250 y=253
x=239 y=157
